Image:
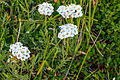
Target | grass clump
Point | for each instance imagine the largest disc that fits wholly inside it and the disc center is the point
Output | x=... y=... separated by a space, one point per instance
x=91 y=54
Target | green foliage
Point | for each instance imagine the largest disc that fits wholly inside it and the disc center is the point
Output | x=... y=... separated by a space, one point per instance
x=52 y=58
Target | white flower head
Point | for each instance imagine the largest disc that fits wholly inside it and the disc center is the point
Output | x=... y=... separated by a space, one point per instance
x=71 y=11
x=46 y=9
x=67 y=30
x=19 y=51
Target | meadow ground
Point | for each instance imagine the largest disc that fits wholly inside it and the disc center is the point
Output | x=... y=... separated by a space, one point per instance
x=92 y=54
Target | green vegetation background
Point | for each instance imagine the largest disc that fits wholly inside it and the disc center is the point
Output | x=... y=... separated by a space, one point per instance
x=52 y=58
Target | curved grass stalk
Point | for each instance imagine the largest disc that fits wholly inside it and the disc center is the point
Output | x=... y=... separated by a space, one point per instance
x=44 y=61
x=22 y=67
x=83 y=62
x=19 y=31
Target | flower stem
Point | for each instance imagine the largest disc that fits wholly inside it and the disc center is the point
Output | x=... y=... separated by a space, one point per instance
x=66 y=20
x=22 y=67
x=45 y=22
x=67 y=49
x=46 y=31
x=71 y=20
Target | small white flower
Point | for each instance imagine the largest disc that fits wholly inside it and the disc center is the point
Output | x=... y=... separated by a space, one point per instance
x=19 y=55
x=71 y=34
x=114 y=78
x=46 y=9
x=73 y=15
x=60 y=35
x=18 y=43
x=79 y=14
x=19 y=51
x=61 y=8
x=78 y=8
x=71 y=11
x=75 y=31
x=67 y=30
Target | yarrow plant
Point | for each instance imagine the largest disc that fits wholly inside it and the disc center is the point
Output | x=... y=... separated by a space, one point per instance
x=19 y=51
x=67 y=30
x=46 y=8
x=70 y=11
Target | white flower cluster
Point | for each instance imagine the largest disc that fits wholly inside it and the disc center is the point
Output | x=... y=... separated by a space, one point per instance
x=46 y=9
x=71 y=11
x=19 y=51
x=67 y=30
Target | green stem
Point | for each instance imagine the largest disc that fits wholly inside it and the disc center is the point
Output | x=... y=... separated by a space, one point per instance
x=90 y=74
x=78 y=23
x=40 y=75
x=66 y=20
x=46 y=31
x=53 y=49
x=75 y=2
x=80 y=2
x=73 y=58
x=71 y=1
x=89 y=24
x=83 y=62
x=71 y=20
x=27 y=8
x=54 y=57
x=22 y=67
x=67 y=49
x=45 y=22
x=46 y=49
x=63 y=50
